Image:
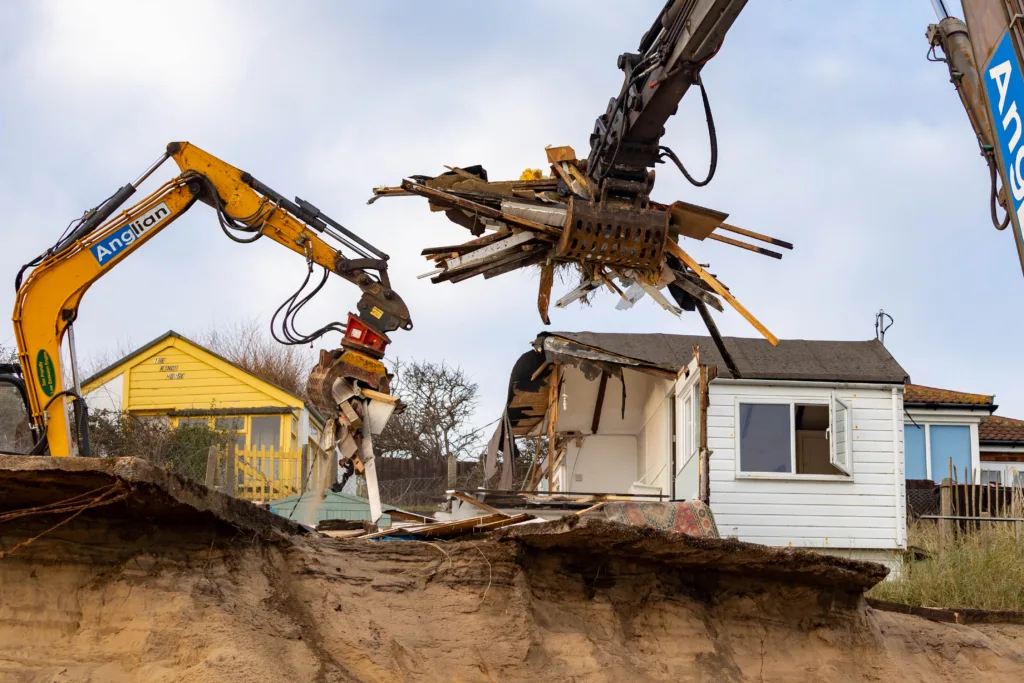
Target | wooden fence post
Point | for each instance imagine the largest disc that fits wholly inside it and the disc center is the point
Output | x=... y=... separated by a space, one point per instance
x=211 y=467
x=1015 y=511
x=229 y=485
x=945 y=510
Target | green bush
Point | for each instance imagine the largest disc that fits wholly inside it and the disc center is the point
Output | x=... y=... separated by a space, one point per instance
x=183 y=450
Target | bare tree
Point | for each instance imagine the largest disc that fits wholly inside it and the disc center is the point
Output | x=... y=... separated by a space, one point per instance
x=247 y=344
x=435 y=425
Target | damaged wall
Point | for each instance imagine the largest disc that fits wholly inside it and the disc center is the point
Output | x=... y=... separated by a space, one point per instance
x=654 y=438
x=607 y=462
x=579 y=397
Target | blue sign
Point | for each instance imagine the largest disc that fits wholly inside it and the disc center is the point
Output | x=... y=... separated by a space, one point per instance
x=1005 y=87
x=113 y=244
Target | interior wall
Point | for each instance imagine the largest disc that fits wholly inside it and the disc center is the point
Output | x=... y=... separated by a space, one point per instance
x=628 y=443
x=579 y=397
x=654 y=438
x=601 y=464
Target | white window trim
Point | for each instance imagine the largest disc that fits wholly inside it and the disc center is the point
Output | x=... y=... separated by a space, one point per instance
x=926 y=425
x=687 y=389
x=793 y=474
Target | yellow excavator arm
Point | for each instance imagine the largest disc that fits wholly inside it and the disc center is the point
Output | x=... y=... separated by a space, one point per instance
x=47 y=299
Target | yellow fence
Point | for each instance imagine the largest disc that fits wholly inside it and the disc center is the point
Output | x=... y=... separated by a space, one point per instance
x=264 y=475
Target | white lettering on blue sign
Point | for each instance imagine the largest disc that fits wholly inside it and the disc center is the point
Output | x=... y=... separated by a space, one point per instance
x=1005 y=87
x=111 y=245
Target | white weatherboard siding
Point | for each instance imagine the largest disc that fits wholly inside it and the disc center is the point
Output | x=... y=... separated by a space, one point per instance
x=860 y=512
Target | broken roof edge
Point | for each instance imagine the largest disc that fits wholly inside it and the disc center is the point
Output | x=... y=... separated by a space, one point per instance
x=792 y=360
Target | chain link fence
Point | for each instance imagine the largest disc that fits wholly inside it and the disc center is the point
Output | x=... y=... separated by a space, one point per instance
x=419 y=494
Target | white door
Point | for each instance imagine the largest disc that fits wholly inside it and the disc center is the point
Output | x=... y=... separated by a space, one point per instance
x=686 y=479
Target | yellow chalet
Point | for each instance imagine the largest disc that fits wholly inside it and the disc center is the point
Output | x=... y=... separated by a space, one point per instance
x=178 y=379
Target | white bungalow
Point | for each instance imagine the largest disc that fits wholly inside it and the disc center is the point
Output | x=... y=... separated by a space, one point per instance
x=799 y=445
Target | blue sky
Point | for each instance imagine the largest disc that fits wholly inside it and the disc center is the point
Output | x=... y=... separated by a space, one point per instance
x=835 y=134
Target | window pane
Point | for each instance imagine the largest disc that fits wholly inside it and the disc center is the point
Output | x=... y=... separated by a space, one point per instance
x=950 y=442
x=991 y=477
x=765 y=444
x=230 y=424
x=913 y=451
x=266 y=433
x=840 y=444
x=194 y=422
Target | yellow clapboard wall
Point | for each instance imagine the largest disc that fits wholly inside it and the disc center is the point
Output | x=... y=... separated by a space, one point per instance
x=175 y=374
x=176 y=378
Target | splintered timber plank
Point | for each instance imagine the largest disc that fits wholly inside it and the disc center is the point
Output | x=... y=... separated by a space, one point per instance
x=482 y=264
x=469 y=246
x=547 y=279
x=698 y=293
x=490 y=268
x=529 y=258
x=481 y=209
x=721 y=290
x=494 y=250
x=755 y=235
x=466 y=498
x=743 y=245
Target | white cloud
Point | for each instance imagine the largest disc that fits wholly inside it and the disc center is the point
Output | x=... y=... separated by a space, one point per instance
x=877 y=182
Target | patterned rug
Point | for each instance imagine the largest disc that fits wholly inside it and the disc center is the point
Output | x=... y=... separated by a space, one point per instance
x=691 y=517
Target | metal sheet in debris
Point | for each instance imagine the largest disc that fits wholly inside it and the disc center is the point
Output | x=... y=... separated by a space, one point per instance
x=538 y=213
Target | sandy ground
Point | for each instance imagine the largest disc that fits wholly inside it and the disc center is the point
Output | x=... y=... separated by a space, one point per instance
x=122 y=598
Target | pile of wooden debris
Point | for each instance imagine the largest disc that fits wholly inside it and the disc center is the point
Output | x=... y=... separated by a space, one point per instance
x=483 y=510
x=561 y=218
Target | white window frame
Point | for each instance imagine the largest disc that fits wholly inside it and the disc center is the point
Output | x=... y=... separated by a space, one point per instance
x=792 y=401
x=694 y=421
x=830 y=434
x=687 y=394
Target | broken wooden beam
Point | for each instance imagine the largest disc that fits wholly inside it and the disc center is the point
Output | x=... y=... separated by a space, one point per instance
x=716 y=337
x=547 y=279
x=721 y=290
x=481 y=209
x=755 y=235
x=697 y=292
x=599 y=404
x=743 y=245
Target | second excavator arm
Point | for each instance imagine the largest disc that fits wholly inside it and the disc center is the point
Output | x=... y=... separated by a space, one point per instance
x=48 y=298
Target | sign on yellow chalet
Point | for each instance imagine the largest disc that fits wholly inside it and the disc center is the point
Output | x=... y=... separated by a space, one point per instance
x=176 y=378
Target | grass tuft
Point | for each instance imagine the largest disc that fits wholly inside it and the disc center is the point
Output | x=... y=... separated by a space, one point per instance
x=980 y=570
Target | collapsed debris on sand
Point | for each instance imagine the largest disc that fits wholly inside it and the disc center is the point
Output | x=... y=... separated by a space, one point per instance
x=177 y=583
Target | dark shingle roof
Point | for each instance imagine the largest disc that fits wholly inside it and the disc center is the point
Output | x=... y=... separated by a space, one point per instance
x=916 y=393
x=792 y=359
